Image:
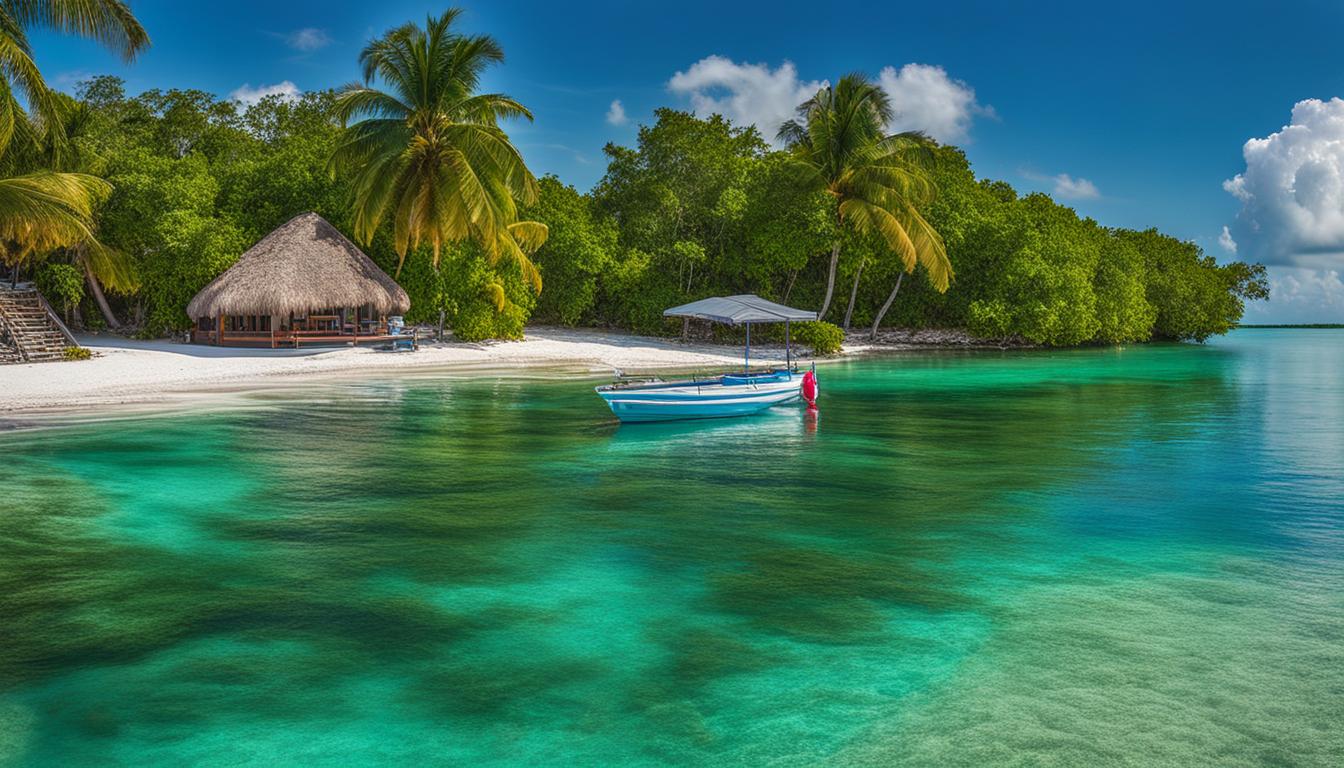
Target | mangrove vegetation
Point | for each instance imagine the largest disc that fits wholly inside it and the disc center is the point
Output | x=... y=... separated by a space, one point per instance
x=138 y=200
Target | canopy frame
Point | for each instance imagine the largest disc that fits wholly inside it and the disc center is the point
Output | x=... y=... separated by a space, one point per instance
x=745 y=309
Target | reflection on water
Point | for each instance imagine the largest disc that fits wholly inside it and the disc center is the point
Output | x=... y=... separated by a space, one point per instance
x=1078 y=557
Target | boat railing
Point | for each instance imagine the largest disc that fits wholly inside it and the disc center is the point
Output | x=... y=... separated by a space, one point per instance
x=696 y=379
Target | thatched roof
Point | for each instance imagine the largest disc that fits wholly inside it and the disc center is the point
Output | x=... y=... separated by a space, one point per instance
x=304 y=265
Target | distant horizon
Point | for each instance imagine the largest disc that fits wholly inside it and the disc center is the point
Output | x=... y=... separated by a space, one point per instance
x=1308 y=326
x=1133 y=124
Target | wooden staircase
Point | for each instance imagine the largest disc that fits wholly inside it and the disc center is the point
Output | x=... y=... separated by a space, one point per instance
x=30 y=332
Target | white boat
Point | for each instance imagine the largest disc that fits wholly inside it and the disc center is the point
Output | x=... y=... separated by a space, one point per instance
x=730 y=394
x=727 y=395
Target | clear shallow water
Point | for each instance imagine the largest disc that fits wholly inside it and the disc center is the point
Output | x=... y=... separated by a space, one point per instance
x=1088 y=557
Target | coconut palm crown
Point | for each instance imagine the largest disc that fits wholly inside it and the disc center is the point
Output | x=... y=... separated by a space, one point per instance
x=427 y=151
x=839 y=143
x=40 y=209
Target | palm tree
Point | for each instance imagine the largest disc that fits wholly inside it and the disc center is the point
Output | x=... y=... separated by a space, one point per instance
x=517 y=243
x=879 y=181
x=428 y=152
x=854 y=292
x=100 y=265
x=41 y=209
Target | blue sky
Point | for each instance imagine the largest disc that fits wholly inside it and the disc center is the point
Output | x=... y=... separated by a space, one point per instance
x=1135 y=115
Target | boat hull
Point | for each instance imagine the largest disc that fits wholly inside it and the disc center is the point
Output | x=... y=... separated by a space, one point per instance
x=712 y=399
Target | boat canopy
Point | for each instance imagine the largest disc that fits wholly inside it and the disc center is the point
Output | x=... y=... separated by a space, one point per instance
x=736 y=310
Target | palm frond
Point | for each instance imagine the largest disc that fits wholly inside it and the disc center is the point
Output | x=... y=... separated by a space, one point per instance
x=354 y=100
x=43 y=211
x=427 y=154
x=495 y=291
x=840 y=143
x=21 y=72
x=530 y=235
x=113 y=268
x=109 y=22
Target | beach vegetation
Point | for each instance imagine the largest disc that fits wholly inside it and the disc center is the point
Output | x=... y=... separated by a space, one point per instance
x=62 y=285
x=43 y=207
x=644 y=238
x=879 y=183
x=425 y=152
x=824 y=338
x=162 y=191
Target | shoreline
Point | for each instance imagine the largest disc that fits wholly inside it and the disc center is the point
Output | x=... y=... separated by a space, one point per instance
x=131 y=372
x=139 y=375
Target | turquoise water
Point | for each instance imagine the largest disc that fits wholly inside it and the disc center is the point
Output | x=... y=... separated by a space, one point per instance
x=1099 y=557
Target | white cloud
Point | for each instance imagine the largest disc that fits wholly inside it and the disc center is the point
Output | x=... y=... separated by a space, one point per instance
x=308 y=39
x=72 y=78
x=1300 y=295
x=616 y=113
x=1226 y=242
x=745 y=93
x=925 y=99
x=923 y=96
x=249 y=95
x=1308 y=285
x=1069 y=188
x=1292 y=191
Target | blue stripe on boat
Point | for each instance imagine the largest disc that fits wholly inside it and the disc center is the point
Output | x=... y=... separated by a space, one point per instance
x=729 y=395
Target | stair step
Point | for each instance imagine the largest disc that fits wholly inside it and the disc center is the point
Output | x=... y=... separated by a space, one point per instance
x=33 y=335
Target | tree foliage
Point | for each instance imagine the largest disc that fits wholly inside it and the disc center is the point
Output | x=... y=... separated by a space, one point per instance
x=880 y=183
x=427 y=153
x=696 y=207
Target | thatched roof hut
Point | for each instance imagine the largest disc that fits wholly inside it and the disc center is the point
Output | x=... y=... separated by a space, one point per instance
x=303 y=266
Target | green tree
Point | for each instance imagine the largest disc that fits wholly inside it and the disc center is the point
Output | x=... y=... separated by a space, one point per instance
x=698 y=207
x=429 y=153
x=681 y=200
x=1124 y=313
x=162 y=214
x=784 y=226
x=878 y=181
x=99 y=264
x=280 y=170
x=1194 y=296
x=580 y=250
x=40 y=209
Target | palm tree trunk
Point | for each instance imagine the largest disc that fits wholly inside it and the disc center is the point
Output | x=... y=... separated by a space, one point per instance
x=830 y=281
x=853 y=291
x=881 y=313
x=97 y=291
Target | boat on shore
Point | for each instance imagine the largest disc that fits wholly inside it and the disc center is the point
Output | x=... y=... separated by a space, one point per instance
x=730 y=394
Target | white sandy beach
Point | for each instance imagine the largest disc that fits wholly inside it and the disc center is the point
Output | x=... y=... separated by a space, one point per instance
x=126 y=371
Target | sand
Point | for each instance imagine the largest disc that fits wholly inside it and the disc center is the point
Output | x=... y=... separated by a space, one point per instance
x=126 y=371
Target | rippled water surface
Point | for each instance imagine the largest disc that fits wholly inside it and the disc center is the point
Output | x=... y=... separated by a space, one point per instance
x=1091 y=557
